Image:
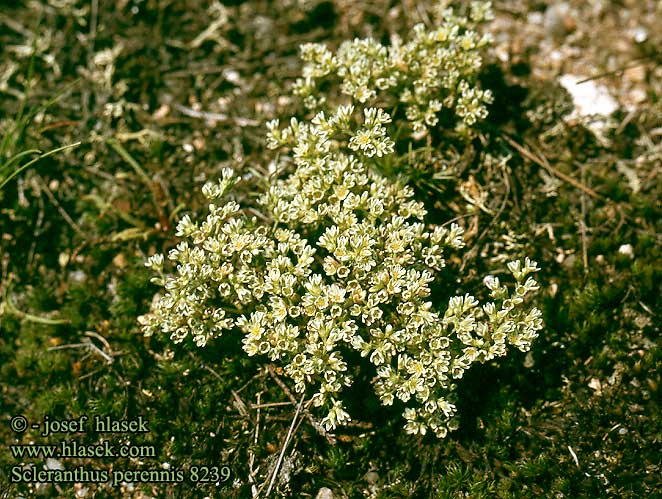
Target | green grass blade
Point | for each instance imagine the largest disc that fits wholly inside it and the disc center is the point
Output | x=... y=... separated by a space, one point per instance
x=33 y=161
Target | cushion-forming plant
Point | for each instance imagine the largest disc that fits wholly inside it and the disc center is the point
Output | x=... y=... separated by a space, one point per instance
x=345 y=261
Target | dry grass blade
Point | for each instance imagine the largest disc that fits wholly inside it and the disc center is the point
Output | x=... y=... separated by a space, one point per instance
x=289 y=394
x=541 y=161
x=251 y=455
x=582 y=223
x=42 y=185
x=282 y=450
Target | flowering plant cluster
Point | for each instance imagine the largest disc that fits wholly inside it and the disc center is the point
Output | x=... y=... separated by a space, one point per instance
x=436 y=70
x=344 y=264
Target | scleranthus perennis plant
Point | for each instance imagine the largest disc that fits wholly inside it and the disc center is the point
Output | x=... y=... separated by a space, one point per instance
x=343 y=264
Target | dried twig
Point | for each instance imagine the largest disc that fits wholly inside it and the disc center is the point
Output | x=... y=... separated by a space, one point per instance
x=103 y=340
x=206 y=367
x=259 y=406
x=582 y=222
x=284 y=447
x=474 y=249
x=310 y=418
x=58 y=206
x=85 y=344
x=574 y=456
x=251 y=457
x=542 y=161
x=239 y=404
x=634 y=63
x=192 y=113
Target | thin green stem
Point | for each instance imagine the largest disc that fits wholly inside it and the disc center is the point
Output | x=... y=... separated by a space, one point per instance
x=33 y=161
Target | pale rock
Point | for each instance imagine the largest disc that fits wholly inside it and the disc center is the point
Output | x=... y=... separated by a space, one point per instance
x=588 y=97
x=627 y=250
x=324 y=493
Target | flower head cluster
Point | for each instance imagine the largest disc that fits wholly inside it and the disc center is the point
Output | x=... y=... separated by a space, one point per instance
x=345 y=262
x=346 y=266
x=435 y=70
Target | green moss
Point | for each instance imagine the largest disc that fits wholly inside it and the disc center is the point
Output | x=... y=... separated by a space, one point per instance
x=591 y=382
